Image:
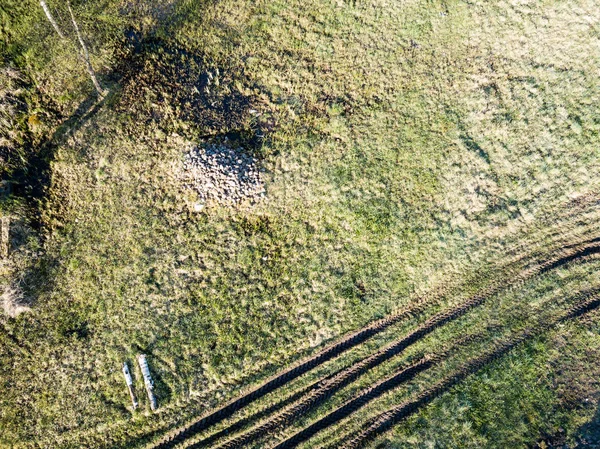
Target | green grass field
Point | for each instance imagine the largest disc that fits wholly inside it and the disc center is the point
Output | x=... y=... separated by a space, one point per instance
x=404 y=145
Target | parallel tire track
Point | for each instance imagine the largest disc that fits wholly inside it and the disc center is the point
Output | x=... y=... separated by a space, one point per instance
x=364 y=396
x=179 y=435
x=368 y=394
x=244 y=422
x=388 y=419
x=346 y=376
x=207 y=442
x=172 y=438
x=350 y=407
x=284 y=377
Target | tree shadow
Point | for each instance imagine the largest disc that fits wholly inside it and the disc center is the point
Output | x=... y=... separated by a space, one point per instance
x=160 y=83
x=31 y=182
x=180 y=83
x=168 y=85
x=588 y=435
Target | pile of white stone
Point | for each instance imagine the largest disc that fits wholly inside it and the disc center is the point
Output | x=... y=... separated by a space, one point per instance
x=222 y=174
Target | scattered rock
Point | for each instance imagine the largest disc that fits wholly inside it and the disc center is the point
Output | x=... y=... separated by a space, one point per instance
x=222 y=174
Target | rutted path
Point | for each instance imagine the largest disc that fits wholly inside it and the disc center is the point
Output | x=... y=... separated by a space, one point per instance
x=388 y=419
x=508 y=275
x=239 y=425
x=177 y=436
x=367 y=395
x=330 y=386
x=544 y=239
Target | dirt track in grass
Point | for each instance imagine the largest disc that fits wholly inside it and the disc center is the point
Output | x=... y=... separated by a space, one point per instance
x=313 y=396
x=388 y=419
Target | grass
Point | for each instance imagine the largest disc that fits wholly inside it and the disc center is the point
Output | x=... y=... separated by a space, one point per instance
x=529 y=402
x=402 y=142
x=524 y=392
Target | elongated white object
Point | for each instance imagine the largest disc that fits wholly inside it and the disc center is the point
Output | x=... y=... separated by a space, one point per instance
x=4 y=237
x=51 y=19
x=129 y=382
x=147 y=380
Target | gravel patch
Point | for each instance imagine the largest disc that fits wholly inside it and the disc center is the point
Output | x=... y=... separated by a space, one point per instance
x=223 y=175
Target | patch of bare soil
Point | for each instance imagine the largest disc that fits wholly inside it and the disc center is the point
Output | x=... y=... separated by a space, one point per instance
x=12 y=301
x=169 y=85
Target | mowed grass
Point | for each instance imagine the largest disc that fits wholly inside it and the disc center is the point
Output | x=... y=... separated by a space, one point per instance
x=404 y=142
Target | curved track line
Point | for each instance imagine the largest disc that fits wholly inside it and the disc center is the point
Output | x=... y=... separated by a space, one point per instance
x=569 y=209
x=386 y=420
x=364 y=396
x=180 y=435
x=244 y=422
x=367 y=395
x=346 y=376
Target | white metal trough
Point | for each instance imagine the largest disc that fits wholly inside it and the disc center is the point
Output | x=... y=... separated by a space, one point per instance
x=147 y=380
x=129 y=382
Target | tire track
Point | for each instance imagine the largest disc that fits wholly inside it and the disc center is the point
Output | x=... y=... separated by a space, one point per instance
x=369 y=394
x=364 y=396
x=244 y=422
x=574 y=232
x=174 y=437
x=386 y=420
x=283 y=377
x=431 y=296
x=206 y=442
x=327 y=388
x=177 y=436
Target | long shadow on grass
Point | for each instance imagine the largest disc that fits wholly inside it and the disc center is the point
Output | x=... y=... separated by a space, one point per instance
x=589 y=434
x=160 y=84
x=31 y=182
x=158 y=81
